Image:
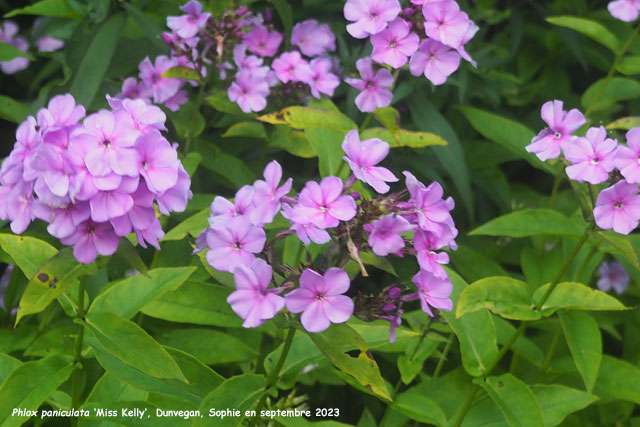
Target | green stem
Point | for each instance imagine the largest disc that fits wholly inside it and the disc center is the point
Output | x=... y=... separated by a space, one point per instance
x=549 y=355
x=612 y=70
x=273 y=378
x=443 y=356
x=387 y=410
x=366 y=122
x=554 y=191
x=467 y=405
x=187 y=145
x=422 y=337
x=77 y=358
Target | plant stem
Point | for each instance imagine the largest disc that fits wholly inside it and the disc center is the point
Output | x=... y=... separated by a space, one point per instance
x=187 y=145
x=273 y=378
x=77 y=358
x=612 y=70
x=547 y=359
x=443 y=356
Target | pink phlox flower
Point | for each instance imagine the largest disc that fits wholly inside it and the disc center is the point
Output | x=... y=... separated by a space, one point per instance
x=426 y=246
x=618 y=208
x=312 y=38
x=592 y=156
x=106 y=205
x=249 y=62
x=131 y=89
x=249 y=91
x=181 y=97
x=61 y=111
x=223 y=210
x=394 y=44
x=320 y=299
x=145 y=117
x=141 y=214
x=612 y=275
x=471 y=32
x=92 y=238
x=17 y=166
x=325 y=203
x=64 y=220
x=157 y=162
x=624 y=10
x=435 y=60
x=267 y=194
x=17 y=202
x=175 y=199
x=431 y=208
x=55 y=168
x=369 y=16
x=363 y=156
x=252 y=300
x=49 y=44
x=375 y=88
x=7 y=35
x=445 y=22
x=433 y=291
x=319 y=77
x=152 y=234
x=160 y=88
x=627 y=158
x=262 y=42
x=562 y=124
x=188 y=25
x=287 y=65
x=385 y=237
x=234 y=243
x=301 y=223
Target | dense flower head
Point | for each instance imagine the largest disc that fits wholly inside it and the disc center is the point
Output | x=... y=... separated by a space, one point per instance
x=93 y=181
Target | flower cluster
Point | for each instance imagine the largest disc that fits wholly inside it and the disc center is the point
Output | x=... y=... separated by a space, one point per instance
x=429 y=35
x=329 y=211
x=93 y=181
x=9 y=35
x=624 y=10
x=594 y=158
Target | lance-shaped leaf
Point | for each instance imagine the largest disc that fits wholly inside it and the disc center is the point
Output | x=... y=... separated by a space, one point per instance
x=9 y=51
x=558 y=401
x=530 y=222
x=416 y=406
x=181 y=72
x=585 y=343
x=57 y=8
x=504 y=296
x=589 y=28
x=310 y=118
x=618 y=379
x=575 y=296
x=404 y=138
x=240 y=392
x=12 y=110
x=624 y=123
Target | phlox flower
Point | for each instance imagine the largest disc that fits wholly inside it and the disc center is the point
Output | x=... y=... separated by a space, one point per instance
x=363 y=156
x=61 y=111
x=369 y=16
x=16 y=204
x=435 y=60
x=548 y=143
x=394 y=44
x=175 y=199
x=375 y=88
x=624 y=10
x=592 y=156
x=320 y=299
x=426 y=246
x=612 y=275
x=8 y=31
x=187 y=26
x=49 y=44
x=325 y=204
x=433 y=291
x=287 y=65
x=262 y=41
x=234 y=243
x=91 y=238
x=618 y=208
x=319 y=77
x=157 y=162
x=252 y=300
x=301 y=223
x=445 y=22
x=627 y=159
x=267 y=194
x=313 y=39
x=385 y=235
x=161 y=88
x=106 y=205
x=223 y=209
x=249 y=91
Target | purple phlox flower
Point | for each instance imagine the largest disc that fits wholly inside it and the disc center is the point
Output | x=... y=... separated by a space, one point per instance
x=592 y=156
x=325 y=203
x=92 y=238
x=363 y=156
x=61 y=111
x=425 y=245
x=188 y=25
x=106 y=205
x=112 y=147
x=612 y=275
x=262 y=41
x=471 y=31
x=301 y=223
x=369 y=16
x=320 y=299
x=287 y=65
x=55 y=169
x=548 y=143
x=222 y=209
x=313 y=39
x=431 y=208
x=181 y=97
x=8 y=29
x=63 y=221
x=445 y=22
x=267 y=194
x=624 y=10
x=157 y=162
x=618 y=208
x=17 y=166
x=152 y=234
x=435 y=60
x=84 y=185
x=249 y=62
x=319 y=77
x=395 y=320
x=252 y=300
x=249 y=91
x=175 y=199
x=627 y=158
x=7 y=35
x=385 y=235
x=132 y=89
x=49 y=44
x=141 y=214
x=145 y=117
x=394 y=44
x=433 y=291
x=375 y=88
x=234 y=243
x=160 y=88
x=17 y=202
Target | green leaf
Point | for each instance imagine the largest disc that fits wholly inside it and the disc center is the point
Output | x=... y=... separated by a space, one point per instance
x=286 y=16
x=12 y=110
x=617 y=244
x=188 y=120
x=475 y=331
x=246 y=129
x=220 y=101
x=30 y=384
x=624 y=123
x=363 y=368
x=293 y=141
x=196 y=303
x=418 y=407
x=111 y=388
x=328 y=146
x=618 y=379
x=55 y=341
x=240 y=392
x=504 y=296
x=404 y=138
x=629 y=65
x=128 y=253
x=473 y=264
x=615 y=89
x=515 y=399
x=209 y=346
x=126 y=297
x=132 y=345
x=589 y=28
x=389 y=118
x=191 y=226
x=310 y=118
x=9 y=51
x=523 y=346
x=511 y=135
x=96 y=59
x=50 y=281
x=585 y=343
x=28 y=253
x=57 y=8
x=7 y=365
x=558 y=401
x=410 y=364
x=150 y=29
x=181 y=72
x=530 y=222
x=575 y=296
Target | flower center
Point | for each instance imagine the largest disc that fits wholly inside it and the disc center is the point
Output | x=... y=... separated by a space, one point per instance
x=373 y=15
x=393 y=44
x=145 y=165
x=320 y=296
x=237 y=246
x=90 y=229
x=618 y=205
x=106 y=143
x=323 y=209
x=557 y=135
x=595 y=161
x=371 y=85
